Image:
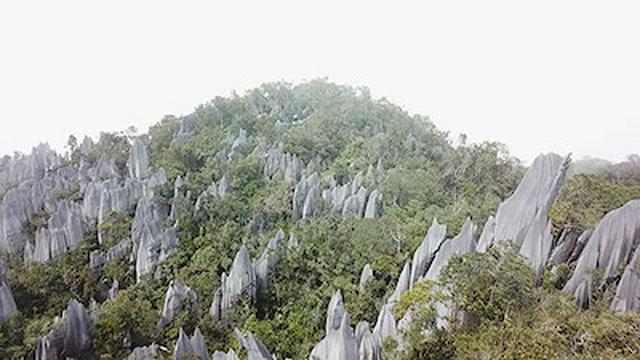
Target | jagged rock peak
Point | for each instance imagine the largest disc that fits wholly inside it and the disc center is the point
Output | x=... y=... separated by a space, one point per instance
x=461 y=244
x=77 y=336
x=193 y=347
x=7 y=302
x=365 y=277
x=138 y=163
x=340 y=341
x=424 y=254
x=219 y=355
x=255 y=348
x=150 y=352
x=535 y=193
x=608 y=249
x=241 y=281
x=174 y=301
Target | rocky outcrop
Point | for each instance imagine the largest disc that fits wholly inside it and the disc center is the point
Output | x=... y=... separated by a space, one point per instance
x=627 y=298
x=313 y=198
x=150 y=352
x=214 y=191
x=264 y=265
x=276 y=161
x=462 y=244
x=219 y=355
x=532 y=199
x=241 y=281
x=194 y=347
x=365 y=277
x=64 y=231
x=253 y=347
x=608 y=250
x=339 y=342
x=177 y=298
x=423 y=256
x=153 y=243
x=138 y=164
x=70 y=335
x=7 y=302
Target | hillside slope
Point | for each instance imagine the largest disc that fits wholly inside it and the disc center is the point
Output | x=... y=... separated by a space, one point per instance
x=312 y=219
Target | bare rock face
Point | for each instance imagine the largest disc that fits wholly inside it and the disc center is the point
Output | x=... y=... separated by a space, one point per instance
x=340 y=341
x=607 y=250
x=153 y=243
x=7 y=303
x=174 y=301
x=64 y=231
x=369 y=345
x=150 y=352
x=423 y=256
x=537 y=243
x=194 y=346
x=374 y=203
x=386 y=323
x=255 y=348
x=535 y=194
x=138 y=163
x=365 y=277
x=627 y=297
x=264 y=265
x=77 y=336
x=277 y=161
x=462 y=244
x=403 y=284
x=219 y=355
x=488 y=233
x=241 y=281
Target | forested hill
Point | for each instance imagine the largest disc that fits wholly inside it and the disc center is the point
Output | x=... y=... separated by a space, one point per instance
x=314 y=221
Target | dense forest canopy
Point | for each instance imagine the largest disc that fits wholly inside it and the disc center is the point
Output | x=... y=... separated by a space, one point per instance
x=224 y=197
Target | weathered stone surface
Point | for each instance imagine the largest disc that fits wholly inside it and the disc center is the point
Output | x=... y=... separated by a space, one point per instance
x=565 y=246
x=240 y=282
x=193 y=347
x=177 y=297
x=77 y=336
x=369 y=346
x=188 y=127
x=423 y=256
x=340 y=341
x=365 y=277
x=254 y=348
x=461 y=244
x=538 y=242
x=488 y=233
x=264 y=265
x=64 y=231
x=150 y=352
x=293 y=241
x=277 y=161
x=402 y=285
x=152 y=242
x=627 y=297
x=372 y=210
x=219 y=355
x=7 y=302
x=535 y=193
x=355 y=204
x=608 y=249
x=386 y=323
x=301 y=191
x=138 y=163
x=113 y=291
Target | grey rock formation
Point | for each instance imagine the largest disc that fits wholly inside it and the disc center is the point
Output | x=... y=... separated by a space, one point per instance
x=77 y=336
x=219 y=355
x=537 y=243
x=176 y=298
x=240 y=282
x=293 y=241
x=340 y=341
x=150 y=352
x=488 y=233
x=188 y=127
x=355 y=204
x=461 y=244
x=608 y=250
x=264 y=265
x=402 y=285
x=301 y=192
x=64 y=231
x=7 y=302
x=277 y=161
x=535 y=194
x=424 y=254
x=369 y=345
x=386 y=323
x=113 y=291
x=365 y=277
x=254 y=348
x=194 y=346
x=138 y=163
x=152 y=242
x=372 y=210
x=627 y=297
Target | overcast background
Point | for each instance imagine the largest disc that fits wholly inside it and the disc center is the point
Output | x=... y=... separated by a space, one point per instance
x=539 y=76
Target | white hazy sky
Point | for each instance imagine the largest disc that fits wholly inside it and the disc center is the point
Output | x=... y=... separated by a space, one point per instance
x=539 y=76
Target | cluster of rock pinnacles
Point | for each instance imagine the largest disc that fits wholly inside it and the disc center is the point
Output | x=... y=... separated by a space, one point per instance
x=43 y=181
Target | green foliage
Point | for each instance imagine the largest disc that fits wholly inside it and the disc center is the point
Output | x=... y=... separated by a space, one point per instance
x=585 y=199
x=129 y=317
x=489 y=286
